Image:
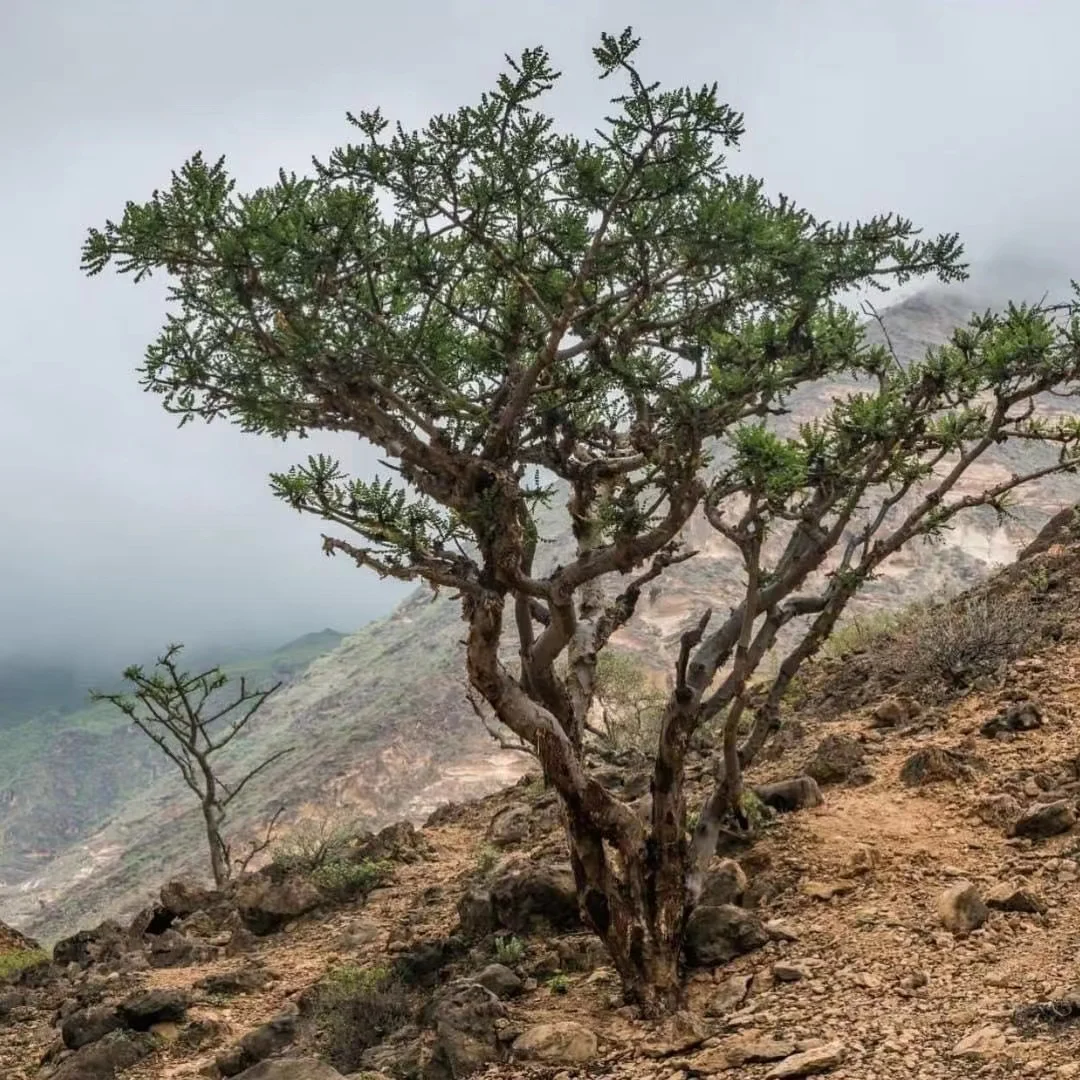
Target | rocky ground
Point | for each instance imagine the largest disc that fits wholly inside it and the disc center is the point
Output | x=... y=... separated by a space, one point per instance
x=920 y=923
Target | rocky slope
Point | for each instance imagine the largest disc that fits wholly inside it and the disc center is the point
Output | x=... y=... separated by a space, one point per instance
x=920 y=923
x=380 y=725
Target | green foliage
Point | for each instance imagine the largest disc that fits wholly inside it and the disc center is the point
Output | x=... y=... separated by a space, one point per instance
x=509 y=950
x=344 y=880
x=14 y=962
x=559 y=984
x=1039 y=580
x=757 y=813
x=860 y=632
x=313 y=843
x=486 y=859
x=355 y=1009
x=631 y=706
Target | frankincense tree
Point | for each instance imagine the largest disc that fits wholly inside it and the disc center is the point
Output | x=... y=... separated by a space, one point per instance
x=507 y=310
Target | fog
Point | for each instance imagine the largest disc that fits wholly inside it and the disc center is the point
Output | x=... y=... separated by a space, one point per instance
x=119 y=533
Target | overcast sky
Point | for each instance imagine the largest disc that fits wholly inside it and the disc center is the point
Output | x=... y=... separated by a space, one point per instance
x=119 y=532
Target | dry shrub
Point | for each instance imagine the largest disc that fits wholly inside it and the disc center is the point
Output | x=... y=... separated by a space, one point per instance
x=356 y=1009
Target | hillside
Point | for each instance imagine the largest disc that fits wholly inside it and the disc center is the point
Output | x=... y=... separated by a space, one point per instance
x=918 y=924
x=380 y=725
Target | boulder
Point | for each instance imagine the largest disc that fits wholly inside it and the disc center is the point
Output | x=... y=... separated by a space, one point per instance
x=933 y=764
x=142 y=1010
x=103 y=1059
x=89 y=946
x=475 y=912
x=836 y=759
x=259 y=1043
x=466 y=1036
x=265 y=906
x=510 y=826
x=894 y=711
x=818 y=1059
x=401 y=842
x=88 y=1025
x=171 y=949
x=529 y=897
x=961 y=908
x=1005 y=897
x=725 y=884
x=1000 y=811
x=1045 y=819
x=501 y=981
x=564 y=1042
x=180 y=899
x=717 y=933
x=787 y=796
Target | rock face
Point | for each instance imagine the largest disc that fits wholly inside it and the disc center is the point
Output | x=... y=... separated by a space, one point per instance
x=1045 y=819
x=961 y=908
x=718 y=933
x=564 y=1042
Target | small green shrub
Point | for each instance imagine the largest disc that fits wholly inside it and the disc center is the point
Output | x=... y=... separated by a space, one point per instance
x=559 y=984
x=355 y=1009
x=757 y=813
x=15 y=962
x=344 y=880
x=509 y=950
x=486 y=859
x=313 y=844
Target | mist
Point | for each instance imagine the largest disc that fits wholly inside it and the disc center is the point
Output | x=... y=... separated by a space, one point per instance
x=120 y=533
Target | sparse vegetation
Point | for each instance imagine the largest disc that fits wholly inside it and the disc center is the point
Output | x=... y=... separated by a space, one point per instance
x=511 y=315
x=559 y=983
x=14 y=962
x=314 y=842
x=188 y=719
x=631 y=707
x=344 y=880
x=356 y=1008
x=486 y=859
x=509 y=950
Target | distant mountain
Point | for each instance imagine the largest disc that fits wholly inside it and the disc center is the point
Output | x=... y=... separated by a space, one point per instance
x=92 y=820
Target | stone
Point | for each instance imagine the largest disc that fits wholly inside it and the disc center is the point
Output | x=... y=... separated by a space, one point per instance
x=826 y=890
x=103 y=1059
x=180 y=899
x=265 y=905
x=787 y=796
x=961 y=909
x=726 y=884
x=860 y=861
x=1045 y=819
x=778 y=930
x=88 y=1025
x=259 y=1043
x=743 y=1049
x=88 y=946
x=476 y=915
x=791 y=971
x=894 y=711
x=466 y=1036
x=528 y=897
x=716 y=934
x=933 y=764
x=510 y=826
x=730 y=993
x=241 y=981
x=291 y=1069
x=142 y=1010
x=818 y=1059
x=999 y=811
x=563 y=1042
x=985 y=1043
x=1005 y=897
x=1017 y=716
x=501 y=981
x=836 y=759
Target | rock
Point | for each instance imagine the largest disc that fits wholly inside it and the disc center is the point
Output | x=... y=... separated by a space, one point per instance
x=291 y=1069
x=778 y=930
x=401 y=842
x=259 y=1043
x=265 y=905
x=826 y=890
x=529 y=896
x=170 y=948
x=894 y=711
x=89 y=946
x=1045 y=819
x=999 y=811
x=420 y=965
x=961 y=908
x=743 y=1049
x=716 y=934
x=142 y=1010
x=791 y=971
x=180 y=899
x=818 y=1059
x=564 y=1042
x=475 y=913
x=729 y=994
x=501 y=981
x=88 y=1025
x=988 y=1042
x=242 y=981
x=510 y=826
x=933 y=764
x=402 y=1054
x=1006 y=897
x=1018 y=716
x=726 y=884
x=466 y=1036
x=836 y=759
x=103 y=1059
x=787 y=796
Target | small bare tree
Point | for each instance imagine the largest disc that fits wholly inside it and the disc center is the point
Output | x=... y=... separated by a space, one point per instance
x=185 y=716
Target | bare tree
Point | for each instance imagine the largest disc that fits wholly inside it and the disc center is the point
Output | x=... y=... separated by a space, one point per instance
x=184 y=715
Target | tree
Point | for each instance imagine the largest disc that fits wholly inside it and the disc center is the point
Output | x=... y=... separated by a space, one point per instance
x=511 y=313
x=186 y=717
